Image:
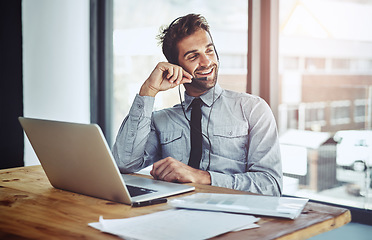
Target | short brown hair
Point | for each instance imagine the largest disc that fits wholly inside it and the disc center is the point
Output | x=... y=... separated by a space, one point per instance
x=180 y=28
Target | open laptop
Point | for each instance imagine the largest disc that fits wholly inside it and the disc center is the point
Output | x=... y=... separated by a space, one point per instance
x=77 y=158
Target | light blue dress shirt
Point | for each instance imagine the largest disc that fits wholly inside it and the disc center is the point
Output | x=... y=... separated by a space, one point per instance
x=243 y=152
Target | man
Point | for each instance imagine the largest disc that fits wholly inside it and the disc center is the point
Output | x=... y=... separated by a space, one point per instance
x=237 y=145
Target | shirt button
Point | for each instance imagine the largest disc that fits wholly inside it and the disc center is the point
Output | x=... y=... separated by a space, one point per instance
x=230 y=133
x=140 y=106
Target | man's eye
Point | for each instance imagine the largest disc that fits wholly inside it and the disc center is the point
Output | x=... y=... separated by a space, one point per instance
x=210 y=50
x=193 y=57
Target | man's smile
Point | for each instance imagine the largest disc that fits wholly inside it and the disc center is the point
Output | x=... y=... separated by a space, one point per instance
x=205 y=72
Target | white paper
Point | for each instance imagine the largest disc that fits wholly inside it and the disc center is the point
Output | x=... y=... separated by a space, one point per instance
x=178 y=224
x=285 y=207
x=250 y=226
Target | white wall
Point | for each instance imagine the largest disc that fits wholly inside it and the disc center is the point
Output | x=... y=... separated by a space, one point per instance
x=55 y=62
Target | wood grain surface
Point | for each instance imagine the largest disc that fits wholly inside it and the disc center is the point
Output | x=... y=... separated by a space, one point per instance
x=30 y=208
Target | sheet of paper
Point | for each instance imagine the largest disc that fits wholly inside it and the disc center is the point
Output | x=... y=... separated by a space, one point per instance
x=178 y=224
x=250 y=226
x=286 y=207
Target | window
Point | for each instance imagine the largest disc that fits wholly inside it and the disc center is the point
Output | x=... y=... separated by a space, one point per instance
x=136 y=50
x=325 y=81
x=340 y=112
x=341 y=64
x=313 y=64
x=364 y=65
x=315 y=115
x=326 y=97
x=291 y=63
x=360 y=106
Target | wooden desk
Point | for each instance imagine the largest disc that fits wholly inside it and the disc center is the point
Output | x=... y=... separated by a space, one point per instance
x=31 y=208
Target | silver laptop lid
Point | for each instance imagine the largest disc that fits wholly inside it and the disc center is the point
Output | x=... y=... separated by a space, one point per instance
x=77 y=158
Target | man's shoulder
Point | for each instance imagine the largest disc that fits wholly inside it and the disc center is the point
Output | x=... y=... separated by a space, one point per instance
x=168 y=111
x=240 y=96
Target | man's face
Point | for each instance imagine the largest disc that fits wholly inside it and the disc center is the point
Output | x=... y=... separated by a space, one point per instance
x=198 y=57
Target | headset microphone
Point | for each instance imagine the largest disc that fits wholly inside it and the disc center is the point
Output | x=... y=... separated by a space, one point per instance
x=206 y=136
x=201 y=79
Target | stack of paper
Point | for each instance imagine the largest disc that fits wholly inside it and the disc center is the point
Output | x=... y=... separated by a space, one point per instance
x=176 y=224
x=286 y=207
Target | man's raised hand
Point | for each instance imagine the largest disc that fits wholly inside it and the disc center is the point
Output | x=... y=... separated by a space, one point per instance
x=165 y=76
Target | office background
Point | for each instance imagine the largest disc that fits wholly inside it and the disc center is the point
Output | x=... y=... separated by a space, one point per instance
x=36 y=83
x=45 y=68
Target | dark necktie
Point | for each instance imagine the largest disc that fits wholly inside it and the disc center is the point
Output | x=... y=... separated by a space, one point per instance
x=196 y=134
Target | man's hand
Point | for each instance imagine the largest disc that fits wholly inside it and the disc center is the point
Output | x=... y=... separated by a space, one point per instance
x=172 y=170
x=165 y=76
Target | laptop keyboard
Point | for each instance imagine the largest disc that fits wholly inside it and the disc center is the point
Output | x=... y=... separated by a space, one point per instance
x=137 y=191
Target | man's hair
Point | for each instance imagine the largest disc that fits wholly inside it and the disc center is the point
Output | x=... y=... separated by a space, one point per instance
x=180 y=28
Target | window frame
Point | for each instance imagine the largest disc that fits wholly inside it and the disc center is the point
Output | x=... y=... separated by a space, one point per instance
x=101 y=65
x=262 y=66
x=263 y=35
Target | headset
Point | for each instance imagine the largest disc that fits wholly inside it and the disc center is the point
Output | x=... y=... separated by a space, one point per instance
x=210 y=35
x=206 y=136
x=209 y=116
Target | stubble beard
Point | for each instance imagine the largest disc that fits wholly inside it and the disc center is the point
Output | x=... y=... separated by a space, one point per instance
x=205 y=85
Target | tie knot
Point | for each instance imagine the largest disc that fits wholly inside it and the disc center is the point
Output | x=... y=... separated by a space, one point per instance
x=196 y=102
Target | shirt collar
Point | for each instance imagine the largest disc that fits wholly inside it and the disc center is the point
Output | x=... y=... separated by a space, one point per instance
x=208 y=98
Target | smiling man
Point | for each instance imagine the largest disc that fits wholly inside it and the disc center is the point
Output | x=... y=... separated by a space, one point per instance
x=214 y=136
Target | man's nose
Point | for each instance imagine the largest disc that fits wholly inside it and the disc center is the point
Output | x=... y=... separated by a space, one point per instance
x=204 y=60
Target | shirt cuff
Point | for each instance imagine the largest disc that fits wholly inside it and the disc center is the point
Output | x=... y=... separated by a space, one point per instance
x=221 y=180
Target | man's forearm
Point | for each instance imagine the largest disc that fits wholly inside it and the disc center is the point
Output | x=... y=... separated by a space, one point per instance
x=129 y=146
x=255 y=182
x=147 y=90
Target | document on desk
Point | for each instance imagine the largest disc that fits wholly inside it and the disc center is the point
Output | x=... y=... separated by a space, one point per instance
x=286 y=207
x=178 y=224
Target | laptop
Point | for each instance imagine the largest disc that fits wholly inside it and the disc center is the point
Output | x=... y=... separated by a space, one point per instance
x=77 y=158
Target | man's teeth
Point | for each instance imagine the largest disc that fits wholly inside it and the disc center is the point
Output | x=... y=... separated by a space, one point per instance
x=204 y=73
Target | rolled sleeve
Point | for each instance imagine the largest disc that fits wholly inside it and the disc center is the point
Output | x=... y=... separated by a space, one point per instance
x=221 y=180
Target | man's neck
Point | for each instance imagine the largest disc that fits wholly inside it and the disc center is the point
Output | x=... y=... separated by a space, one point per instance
x=194 y=91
